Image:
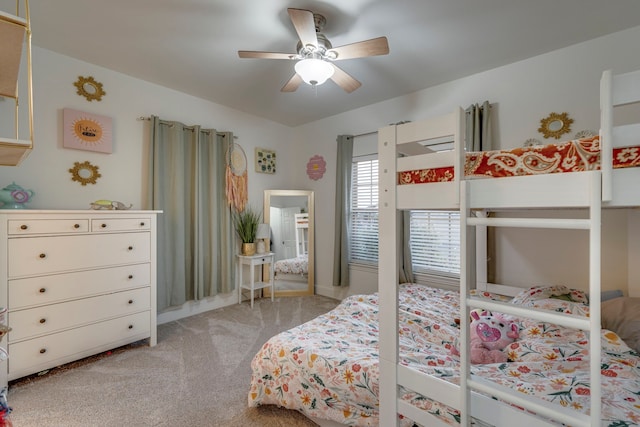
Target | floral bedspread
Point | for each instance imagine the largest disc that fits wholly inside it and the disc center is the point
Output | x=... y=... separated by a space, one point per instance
x=570 y=156
x=328 y=367
x=298 y=265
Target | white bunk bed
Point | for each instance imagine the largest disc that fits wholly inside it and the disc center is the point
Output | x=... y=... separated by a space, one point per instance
x=302 y=228
x=348 y=366
x=476 y=398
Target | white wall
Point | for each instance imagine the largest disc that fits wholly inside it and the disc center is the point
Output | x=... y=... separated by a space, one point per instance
x=524 y=92
x=123 y=172
x=566 y=80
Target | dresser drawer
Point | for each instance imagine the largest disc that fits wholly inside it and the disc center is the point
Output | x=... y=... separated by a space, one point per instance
x=41 y=255
x=16 y=227
x=120 y=224
x=34 y=355
x=35 y=291
x=52 y=318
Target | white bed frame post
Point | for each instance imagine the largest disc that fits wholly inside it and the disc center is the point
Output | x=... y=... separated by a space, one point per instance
x=388 y=276
x=467 y=269
x=606 y=134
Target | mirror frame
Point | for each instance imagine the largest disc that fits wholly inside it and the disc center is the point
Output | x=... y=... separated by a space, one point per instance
x=89 y=88
x=311 y=236
x=84 y=173
x=546 y=125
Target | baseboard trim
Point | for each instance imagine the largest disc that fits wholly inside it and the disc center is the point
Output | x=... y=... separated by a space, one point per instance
x=191 y=308
x=335 y=292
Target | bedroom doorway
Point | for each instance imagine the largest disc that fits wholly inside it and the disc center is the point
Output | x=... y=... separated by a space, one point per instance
x=289 y=214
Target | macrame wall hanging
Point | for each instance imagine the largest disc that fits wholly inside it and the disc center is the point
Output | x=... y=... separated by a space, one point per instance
x=236 y=177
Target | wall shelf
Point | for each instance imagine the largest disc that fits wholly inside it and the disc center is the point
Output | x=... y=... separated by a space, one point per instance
x=15 y=38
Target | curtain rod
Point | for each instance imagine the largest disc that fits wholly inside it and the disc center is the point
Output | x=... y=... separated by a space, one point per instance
x=365 y=134
x=142 y=118
x=375 y=131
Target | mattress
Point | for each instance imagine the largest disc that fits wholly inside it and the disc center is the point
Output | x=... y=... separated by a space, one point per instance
x=570 y=156
x=298 y=265
x=328 y=367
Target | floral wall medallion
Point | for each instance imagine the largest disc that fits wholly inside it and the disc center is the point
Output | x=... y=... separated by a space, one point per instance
x=86 y=131
x=84 y=173
x=89 y=88
x=555 y=125
x=316 y=167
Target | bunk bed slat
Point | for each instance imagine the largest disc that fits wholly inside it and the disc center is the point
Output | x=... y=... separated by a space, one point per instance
x=569 y=190
x=576 y=322
x=424 y=130
x=560 y=413
x=626 y=88
x=419 y=415
x=441 y=195
x=433 y=387
x=626 y=135
x=427 y=161
x=625 y=188
x=569 y=224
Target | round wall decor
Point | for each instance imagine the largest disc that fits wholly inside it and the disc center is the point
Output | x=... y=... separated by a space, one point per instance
x=84 y=173
x=316 y=167
x=89 y=88
x=555 y=125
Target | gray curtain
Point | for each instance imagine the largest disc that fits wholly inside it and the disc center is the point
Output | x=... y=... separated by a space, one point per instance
x=343 y=211
x=406 y=265
x=195 y=236
x=479 y=134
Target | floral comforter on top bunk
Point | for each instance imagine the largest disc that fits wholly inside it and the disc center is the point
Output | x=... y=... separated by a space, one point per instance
x=328 y=368
x=571 y=156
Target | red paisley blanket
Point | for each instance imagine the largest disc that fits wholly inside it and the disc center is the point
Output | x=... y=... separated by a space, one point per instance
x=571 y=156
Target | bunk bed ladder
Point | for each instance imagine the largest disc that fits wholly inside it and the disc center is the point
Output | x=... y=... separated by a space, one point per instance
x=472 y=385
x=392 y=374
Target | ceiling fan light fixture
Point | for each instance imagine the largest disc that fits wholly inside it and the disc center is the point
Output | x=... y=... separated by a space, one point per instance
x=314 y=71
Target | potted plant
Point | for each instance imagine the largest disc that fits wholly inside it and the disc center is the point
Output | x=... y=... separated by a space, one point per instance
x=246 y=225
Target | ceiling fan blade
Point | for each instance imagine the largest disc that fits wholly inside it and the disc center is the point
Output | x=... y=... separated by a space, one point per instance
x=293 y=84
x=265 y=55
x=373 y=47
x=344 y=80
x=305 y=26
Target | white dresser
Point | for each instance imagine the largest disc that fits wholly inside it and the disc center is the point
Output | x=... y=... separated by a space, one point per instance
x=75 y=283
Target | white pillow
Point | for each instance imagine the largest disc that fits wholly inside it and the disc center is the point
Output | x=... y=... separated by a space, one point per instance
x=622 y=316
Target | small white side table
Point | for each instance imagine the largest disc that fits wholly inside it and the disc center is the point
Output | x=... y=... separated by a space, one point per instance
x=253 y=261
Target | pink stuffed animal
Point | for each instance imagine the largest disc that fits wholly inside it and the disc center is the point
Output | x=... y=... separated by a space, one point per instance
x=489 y=334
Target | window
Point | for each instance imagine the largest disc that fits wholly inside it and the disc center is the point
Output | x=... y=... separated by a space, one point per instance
x=435 y=235
x=364 y=210
x=435 y=242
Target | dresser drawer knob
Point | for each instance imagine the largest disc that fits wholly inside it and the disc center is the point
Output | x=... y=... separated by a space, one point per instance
x=43 y=256
x=43 y=350
x=130 y=326
x=130 y=248
x=130 y=276
x=76 y=226
x=24 y=227
x=43 y=321
x=130 y=301
x=42 y=290
x=103 y=225
x=142 y=224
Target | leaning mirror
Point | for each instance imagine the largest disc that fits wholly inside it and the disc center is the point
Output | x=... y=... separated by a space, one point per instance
x=290 y=216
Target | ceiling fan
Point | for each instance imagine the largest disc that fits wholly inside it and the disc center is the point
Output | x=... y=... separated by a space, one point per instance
x=315 y=55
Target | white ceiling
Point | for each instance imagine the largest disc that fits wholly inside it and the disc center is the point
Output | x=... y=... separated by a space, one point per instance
x=191 y=45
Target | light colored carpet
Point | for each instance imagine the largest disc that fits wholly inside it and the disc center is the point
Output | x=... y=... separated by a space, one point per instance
x=197 y=375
